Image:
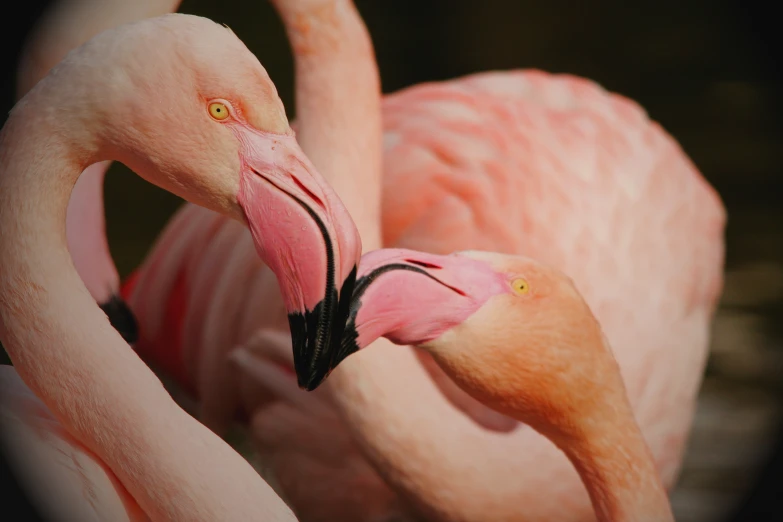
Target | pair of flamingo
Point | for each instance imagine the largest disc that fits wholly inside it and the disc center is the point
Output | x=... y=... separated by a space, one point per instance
x=423 y=317
x=519 y=162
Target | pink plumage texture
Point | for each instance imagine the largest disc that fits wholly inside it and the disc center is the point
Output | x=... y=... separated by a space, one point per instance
x=67 y=480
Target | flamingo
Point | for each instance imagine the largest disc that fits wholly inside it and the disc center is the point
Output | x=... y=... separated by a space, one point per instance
x=65 y=26
x=182 y=102
x=554 y=168
x=517 y=336
x=330 y=43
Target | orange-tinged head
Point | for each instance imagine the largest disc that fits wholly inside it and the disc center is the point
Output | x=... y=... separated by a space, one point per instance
x=512 y=332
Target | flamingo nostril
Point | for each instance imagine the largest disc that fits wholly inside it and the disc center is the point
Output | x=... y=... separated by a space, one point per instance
x=310 y=194
x=423 y=264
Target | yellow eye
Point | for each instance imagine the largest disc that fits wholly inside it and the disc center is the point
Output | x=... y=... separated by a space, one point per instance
x=520 y=286
x=218 y=110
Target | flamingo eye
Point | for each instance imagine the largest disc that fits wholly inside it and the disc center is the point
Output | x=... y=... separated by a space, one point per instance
x=219 y=111
x=520 y=286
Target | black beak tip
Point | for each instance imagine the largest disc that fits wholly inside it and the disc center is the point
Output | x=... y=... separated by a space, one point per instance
x=313 y=366
x=311 y=372
x=310 y=364
x=311 y=384
x=317 y=336
x=121 y=318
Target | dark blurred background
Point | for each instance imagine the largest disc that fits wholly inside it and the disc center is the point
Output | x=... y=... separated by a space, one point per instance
x=707 y=71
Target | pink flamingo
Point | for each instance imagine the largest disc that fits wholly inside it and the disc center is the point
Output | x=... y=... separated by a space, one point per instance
x=182 y=102
x=517 y=336
x=68 y=24
x=330 y=44
x=554 y=168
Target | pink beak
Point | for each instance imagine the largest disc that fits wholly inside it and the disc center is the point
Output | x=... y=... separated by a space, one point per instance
x=412 y=297
x=305 y=235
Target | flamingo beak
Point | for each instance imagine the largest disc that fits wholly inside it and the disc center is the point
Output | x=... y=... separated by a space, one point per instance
x=305 y=235
x=410 y=298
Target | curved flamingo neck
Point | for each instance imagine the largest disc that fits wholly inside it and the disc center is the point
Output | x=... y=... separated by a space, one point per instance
x=66 y=351
x=618 y=470
x=338 y=104
x=61 y=344
x=65 y=26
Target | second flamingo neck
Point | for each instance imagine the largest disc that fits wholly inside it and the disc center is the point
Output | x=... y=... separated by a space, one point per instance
x=619 y=473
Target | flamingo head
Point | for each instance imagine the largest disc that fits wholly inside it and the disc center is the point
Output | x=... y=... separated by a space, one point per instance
x=513 y=333
x=202 y=119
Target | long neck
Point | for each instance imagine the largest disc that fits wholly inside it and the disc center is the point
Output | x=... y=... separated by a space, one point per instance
x=617 y=468
x=65 y=26
x=338 y=102
x=66 y=351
